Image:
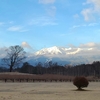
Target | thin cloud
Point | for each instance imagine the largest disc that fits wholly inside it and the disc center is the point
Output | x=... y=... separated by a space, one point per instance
x=17 y=28
x=94 y=9
x=2 y=23
x=14 y=28
x=76 y=16
x=93 y=24
x=95 y=47
x=24 y=30
x=87 y=13
x=47 y=1
x=76 y=26
x=51 y=11
x=11 y=22
x=43 y=21
x=85 y=25
x=95 y=3
x=88 y=45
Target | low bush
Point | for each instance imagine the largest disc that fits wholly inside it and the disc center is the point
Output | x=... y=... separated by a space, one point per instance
x=80 y=82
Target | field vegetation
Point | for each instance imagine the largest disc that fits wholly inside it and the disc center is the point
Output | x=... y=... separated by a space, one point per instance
x=48 y=91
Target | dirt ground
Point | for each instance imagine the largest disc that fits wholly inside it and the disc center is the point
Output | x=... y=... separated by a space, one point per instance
x=48 y=91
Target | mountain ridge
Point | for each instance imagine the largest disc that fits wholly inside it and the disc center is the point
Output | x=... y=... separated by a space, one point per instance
x=62 y=55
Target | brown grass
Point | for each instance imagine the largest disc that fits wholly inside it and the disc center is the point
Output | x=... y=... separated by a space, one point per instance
x=32 y=77
x=15 y=76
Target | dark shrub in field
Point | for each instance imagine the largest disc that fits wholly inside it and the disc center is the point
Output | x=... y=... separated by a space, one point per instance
x=80 y=82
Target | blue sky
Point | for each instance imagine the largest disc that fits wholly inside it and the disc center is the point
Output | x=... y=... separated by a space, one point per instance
x=39 y=24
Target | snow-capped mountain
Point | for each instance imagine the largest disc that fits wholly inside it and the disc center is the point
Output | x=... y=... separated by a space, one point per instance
x=64 y=55
x=52 y=51
x=58 y=50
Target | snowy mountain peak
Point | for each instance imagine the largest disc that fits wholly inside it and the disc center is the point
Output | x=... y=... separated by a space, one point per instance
x=57 y=50
x=52 y=50
x=64 y=55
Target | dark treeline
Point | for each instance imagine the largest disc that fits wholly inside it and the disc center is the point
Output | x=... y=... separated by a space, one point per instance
x=54 y=68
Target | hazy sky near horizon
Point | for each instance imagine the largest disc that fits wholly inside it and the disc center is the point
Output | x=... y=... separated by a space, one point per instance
x=39 y=24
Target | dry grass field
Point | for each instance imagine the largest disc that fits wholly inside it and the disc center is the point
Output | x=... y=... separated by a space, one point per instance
x=48 y=91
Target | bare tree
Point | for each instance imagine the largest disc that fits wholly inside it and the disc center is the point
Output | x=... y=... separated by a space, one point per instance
x=15 y=56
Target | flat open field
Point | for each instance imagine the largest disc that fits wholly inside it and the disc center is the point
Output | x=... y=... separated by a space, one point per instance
x=48 y=91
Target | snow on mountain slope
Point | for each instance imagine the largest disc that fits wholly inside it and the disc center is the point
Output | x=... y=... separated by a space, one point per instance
x=64 y=55
x=52 y=50
x=58 y=50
